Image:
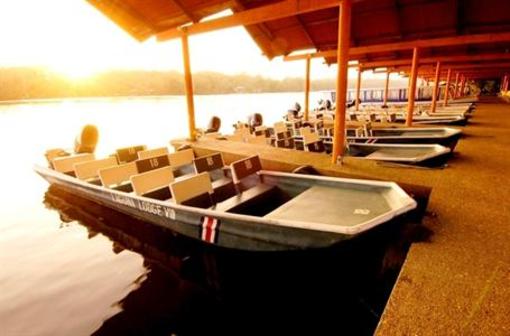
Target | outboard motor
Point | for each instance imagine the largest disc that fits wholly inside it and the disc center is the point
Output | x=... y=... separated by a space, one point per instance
x=353 y=102
x=255 y=120
x=214 y=125
x=293 y=112
x=86 y=141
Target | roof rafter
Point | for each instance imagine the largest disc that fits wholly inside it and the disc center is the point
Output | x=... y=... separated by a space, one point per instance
x=186 y=12
x=428 y=43
x=257 y=15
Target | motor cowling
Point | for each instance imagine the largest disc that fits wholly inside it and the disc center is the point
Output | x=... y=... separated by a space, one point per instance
x=86 y=141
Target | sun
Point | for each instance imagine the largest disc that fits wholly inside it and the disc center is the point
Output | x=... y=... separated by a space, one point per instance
x=75 y=71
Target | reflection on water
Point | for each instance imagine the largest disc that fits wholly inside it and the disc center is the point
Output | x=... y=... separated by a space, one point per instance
x=190 y=288
x=84 y=269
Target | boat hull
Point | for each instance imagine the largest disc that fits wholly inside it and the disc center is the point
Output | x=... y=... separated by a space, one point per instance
x=234 y=234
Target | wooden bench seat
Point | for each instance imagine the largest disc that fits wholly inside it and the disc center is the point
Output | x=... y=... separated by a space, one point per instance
x=193 y=191
x=118 y=177
x=150 y=153
x=53 y=153
x=182 y=162
x=222 y=184
x=129 y=154
x=89 y=170
x=65 y=164
x=247 y=201
x=253 y=197
x=154 y=183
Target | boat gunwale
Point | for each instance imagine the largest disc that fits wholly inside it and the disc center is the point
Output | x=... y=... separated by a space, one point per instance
x=407 y=202
x=443 y=150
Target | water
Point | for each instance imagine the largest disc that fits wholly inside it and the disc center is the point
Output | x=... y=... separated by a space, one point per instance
x=69 y=267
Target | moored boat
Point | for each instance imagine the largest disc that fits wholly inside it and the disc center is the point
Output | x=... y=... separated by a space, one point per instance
x=444 y=136
x=251 y=210
x=427 y=155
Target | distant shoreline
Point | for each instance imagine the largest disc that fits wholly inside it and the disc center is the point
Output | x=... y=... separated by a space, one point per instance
x=105 y=98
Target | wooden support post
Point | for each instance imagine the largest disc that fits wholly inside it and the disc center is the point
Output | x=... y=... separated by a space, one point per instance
x=436 y=88
x=447 y=87
x=456 y=85
x=503 y=83
x=386 y=87
x=358 y=89
x=412 y=87
x=188 y=86
x=507 y=80
x=307 y=89
x=344 y=37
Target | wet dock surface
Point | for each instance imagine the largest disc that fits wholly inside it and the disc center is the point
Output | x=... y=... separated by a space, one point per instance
x=457 y=282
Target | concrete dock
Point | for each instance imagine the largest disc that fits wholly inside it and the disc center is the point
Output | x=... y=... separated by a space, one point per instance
x=459 y=282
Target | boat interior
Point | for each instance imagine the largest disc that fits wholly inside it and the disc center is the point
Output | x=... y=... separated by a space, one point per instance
x=241 y=188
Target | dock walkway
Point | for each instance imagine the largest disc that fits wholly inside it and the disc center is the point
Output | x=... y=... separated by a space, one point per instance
x=459 y=282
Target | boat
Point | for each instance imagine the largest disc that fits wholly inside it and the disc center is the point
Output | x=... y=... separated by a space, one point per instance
x=424 y=155
x=445 y=136
x=246 y=208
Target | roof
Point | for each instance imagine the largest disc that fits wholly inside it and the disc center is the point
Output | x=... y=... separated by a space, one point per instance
x=374 y=22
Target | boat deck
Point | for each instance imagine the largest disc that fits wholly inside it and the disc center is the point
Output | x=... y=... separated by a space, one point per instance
x=458 y=282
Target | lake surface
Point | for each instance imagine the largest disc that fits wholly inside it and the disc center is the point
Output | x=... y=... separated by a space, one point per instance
x=70 y=267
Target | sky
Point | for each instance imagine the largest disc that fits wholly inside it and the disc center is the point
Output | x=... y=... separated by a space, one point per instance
x=73 y=38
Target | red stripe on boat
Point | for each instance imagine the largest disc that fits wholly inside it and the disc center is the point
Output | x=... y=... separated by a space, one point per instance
x=209 y=228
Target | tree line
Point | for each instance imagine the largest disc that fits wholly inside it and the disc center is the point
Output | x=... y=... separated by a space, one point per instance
x=40 y=83
x=36 y=83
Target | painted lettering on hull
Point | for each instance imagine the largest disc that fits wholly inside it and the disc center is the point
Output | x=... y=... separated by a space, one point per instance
x=151 y=208
x=123 y=200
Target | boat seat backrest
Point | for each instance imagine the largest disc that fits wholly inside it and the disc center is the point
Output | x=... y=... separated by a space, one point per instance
x=223 y=186
x=144 y=165
x=262 y=130
x=154 y=179
x=279 y=127
x=208 y=163
x=317 y=146
x=194 y=191
x=285 y=143
x=114 y=176
x=181 y=158
x=319 y=125
x=244 y=172
x=305 y=130
x=283 y=135
x=65 y=164
x=51 y=154
x=353 y=117
x=90 y=169
x=129 y=154
x=309 y=137
x=367 y=128
x=150 y=153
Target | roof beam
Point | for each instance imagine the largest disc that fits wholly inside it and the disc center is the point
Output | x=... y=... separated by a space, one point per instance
x=429 y=43
x=248 y=17
x=495 y=66
x=442 y=59
x=186 y=12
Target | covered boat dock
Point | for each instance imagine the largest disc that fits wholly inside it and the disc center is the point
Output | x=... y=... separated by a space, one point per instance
x=458 y=282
